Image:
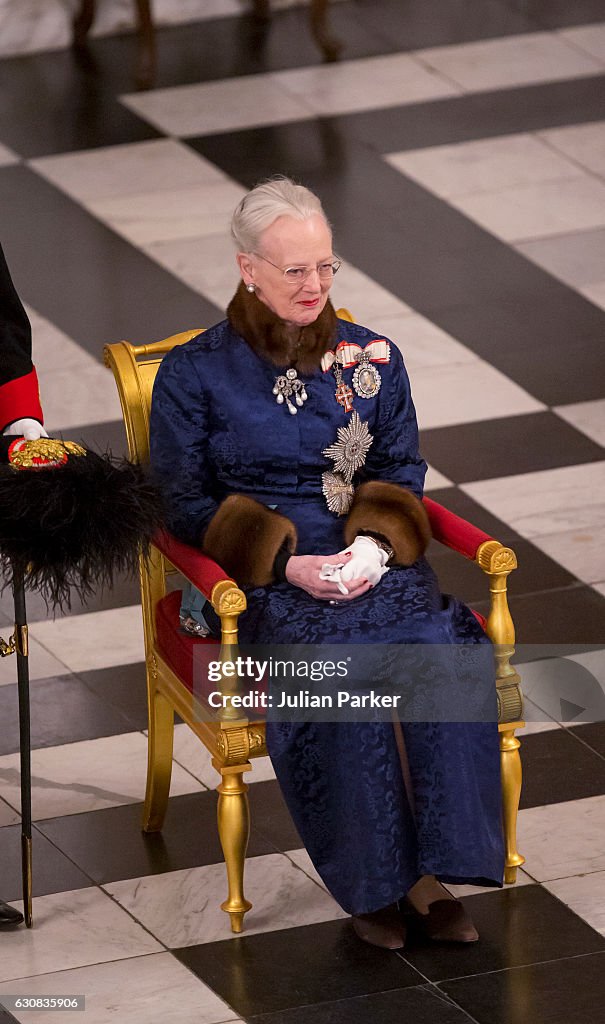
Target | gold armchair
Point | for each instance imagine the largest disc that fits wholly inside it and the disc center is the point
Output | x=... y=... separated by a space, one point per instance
x=233 y=740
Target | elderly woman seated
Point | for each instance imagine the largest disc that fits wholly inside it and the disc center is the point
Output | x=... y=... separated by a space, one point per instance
x=286 y=443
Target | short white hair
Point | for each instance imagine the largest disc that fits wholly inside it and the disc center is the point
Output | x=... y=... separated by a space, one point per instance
x=270 y=199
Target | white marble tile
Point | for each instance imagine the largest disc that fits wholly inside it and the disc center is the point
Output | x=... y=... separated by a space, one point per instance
x=206 y=264
x=192 y=755
x=365 y=84
x=30 y=25
x=434 y=479
x=464 y=393
x=87 y=776
x=138 y=168
x=535 y=211
x=482 y=165
x=582 y=143
x=511 y=61
x=74 y=397
x=140 y=990
x=594 y=661
x=182 y=908
x=553 y=686
x=474 y=890
x=580 y=550
x=548 y=501
x=94 y=639
x=585 y=895
x=221 y=106
x=601 y=588
x=41 y=662
x=562 y=838
x=422 y=343
x=303 y=861
x=365 y=299
x=52 y=349
x=72 y=929
x=590 y=38
x=7 y=156
x=182 y=213
x=8 y=815
x=595 y=293
x=577 y=258
x=536 y=720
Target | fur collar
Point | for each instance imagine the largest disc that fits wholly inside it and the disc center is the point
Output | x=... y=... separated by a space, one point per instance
x=269 y=337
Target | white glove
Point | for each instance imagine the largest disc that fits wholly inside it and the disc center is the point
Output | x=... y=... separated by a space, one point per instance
x=30 y=429
x=367 y=561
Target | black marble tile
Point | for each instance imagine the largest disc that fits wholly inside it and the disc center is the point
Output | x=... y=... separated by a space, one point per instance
x=477 y=116
x=52 y=871
x=423 y=1004
x=123 y=687
x=271 y=816
x=507 y=446
x=63 y=710
x=295 y=967
x=536 y=572
x=593 y=734
x=503 y=307
x=55 y=103
x=423 y=23
x=109 y=436
x=559 y=13
x=557 y=768
x=517 y=926
x=569 y=991
x=572 y=618
x=86 y=279
x=6 y=1017
x=109 y=844
x=518 y=343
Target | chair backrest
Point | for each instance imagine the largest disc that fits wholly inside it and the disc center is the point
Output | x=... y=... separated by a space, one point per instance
x=134 y=368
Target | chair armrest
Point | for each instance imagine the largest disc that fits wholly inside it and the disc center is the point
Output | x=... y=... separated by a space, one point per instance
x=192 y=563
x=453 y=531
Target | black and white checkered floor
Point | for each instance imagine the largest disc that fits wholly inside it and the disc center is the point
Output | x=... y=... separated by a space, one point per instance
x=460 y=152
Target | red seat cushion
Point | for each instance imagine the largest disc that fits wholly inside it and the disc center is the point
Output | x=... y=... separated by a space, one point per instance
x=177 y=646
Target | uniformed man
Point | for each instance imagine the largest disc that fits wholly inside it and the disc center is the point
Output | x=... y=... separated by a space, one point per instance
x=20 y=409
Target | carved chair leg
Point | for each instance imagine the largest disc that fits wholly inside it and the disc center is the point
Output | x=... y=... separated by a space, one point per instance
x=82 y=22
x=234 y=829
x=511 y=791
x=318 y=17
x=147 y=49
x=159 y=762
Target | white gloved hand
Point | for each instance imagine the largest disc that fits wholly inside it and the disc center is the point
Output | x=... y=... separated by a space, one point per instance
x=367 y=561
x=30 y=429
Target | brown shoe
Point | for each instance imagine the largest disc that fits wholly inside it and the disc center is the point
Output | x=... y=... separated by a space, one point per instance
x=447 y=921
x=383 y=928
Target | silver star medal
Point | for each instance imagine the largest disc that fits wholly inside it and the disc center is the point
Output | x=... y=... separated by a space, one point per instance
x=348 y=454
x=286 y=385
x=366 y=378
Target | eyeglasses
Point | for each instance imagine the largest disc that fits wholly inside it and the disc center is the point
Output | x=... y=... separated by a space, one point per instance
x=296 y=275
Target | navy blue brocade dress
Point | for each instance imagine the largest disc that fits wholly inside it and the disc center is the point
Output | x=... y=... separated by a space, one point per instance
x=216 y=430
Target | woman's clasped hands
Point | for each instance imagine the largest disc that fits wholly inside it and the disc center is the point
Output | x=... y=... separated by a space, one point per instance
x=341 y=577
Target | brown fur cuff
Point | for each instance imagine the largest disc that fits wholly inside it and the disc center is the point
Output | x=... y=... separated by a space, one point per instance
x=394 y=513
x=244 y=536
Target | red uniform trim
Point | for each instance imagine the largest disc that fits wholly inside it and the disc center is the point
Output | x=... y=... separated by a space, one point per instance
x=20 y=398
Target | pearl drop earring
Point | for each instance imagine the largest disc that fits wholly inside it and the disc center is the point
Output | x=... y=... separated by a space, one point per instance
x=250 y=288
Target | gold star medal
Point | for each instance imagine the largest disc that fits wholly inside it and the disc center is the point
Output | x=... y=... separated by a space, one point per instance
x=350 y=450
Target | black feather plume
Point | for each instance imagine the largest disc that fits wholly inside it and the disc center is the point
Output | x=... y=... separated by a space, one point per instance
x=76 y=525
